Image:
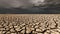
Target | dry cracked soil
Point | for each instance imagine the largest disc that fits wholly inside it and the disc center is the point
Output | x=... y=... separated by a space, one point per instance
x=30 y=24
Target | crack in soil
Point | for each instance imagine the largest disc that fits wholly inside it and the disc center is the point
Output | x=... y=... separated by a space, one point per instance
x=30 y=24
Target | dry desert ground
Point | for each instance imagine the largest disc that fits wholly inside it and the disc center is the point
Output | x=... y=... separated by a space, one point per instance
x=29 y=23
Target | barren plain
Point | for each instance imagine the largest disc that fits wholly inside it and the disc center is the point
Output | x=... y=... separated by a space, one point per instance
x=29 y=23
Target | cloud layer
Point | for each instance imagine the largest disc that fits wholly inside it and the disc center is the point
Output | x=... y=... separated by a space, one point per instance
x=25 y=3
x=19 y=3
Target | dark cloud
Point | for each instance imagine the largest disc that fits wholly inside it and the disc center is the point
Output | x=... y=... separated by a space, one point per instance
x=26 y=3
x=19 y=3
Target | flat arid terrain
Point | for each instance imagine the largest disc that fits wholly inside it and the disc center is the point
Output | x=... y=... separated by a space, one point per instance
x=29 y=23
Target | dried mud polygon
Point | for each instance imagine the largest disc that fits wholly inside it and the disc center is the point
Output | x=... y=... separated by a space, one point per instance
x=30 y=24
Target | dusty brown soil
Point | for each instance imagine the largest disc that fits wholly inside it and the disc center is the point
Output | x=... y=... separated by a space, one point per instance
x=30 y=24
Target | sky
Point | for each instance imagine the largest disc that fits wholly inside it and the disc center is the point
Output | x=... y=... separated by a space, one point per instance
x=19 y=3
x=28 y=4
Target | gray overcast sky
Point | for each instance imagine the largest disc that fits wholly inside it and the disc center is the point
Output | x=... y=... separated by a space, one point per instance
x=25 y=3
x=19 y=3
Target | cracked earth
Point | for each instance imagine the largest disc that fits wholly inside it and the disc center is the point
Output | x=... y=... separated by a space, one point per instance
x=30 y=24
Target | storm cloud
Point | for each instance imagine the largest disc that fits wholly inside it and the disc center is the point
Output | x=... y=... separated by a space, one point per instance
x=26 y=3
x=19 y=3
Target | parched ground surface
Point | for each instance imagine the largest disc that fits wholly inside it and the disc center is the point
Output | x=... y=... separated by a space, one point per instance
x=30 y=24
